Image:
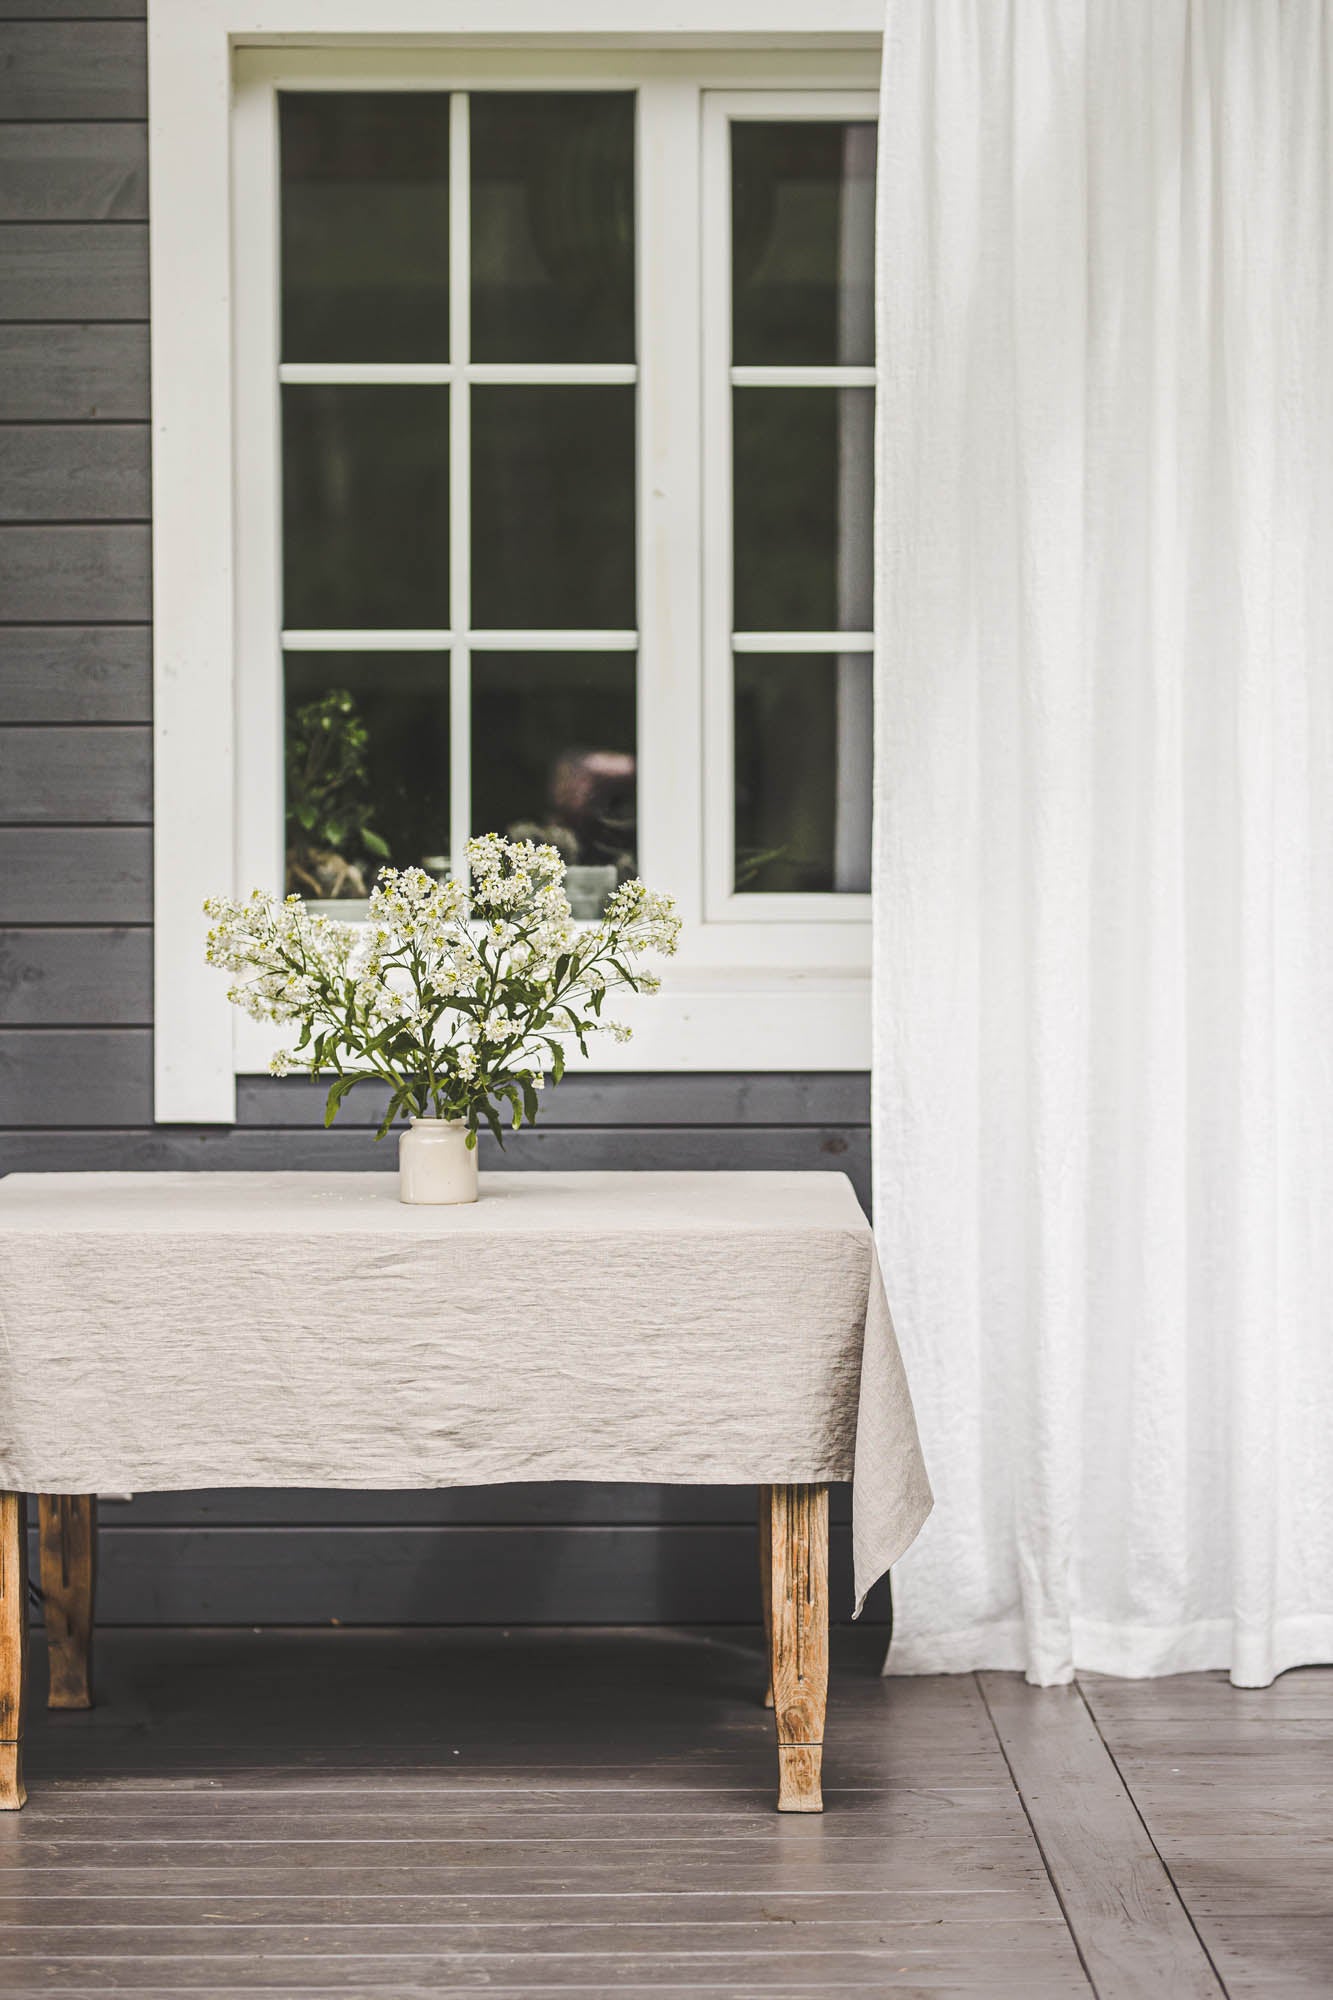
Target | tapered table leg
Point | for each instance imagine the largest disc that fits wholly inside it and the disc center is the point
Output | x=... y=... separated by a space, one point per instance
x=13 y=1646
x=798 y=1572
x=67 y=1537
x=766 y=1583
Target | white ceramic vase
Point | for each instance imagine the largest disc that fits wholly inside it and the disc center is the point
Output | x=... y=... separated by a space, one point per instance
x=435 y=1162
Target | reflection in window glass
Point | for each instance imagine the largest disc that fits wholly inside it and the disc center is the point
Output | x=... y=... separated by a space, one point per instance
x=802 y=772
x=365 y=225
x=804 y=508
x=365 y=507
x=553 y=507
x=552 y=226
x=553 y=759
x=367 y=768
x=803 y=251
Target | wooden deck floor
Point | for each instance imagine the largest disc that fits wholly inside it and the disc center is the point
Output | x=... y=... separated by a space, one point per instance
x=590 y=1813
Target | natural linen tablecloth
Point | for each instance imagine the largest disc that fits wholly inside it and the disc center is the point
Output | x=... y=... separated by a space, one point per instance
x=165 y=1331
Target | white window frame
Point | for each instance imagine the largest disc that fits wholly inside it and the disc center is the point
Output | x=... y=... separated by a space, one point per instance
x=773 y=988
x=721 y=110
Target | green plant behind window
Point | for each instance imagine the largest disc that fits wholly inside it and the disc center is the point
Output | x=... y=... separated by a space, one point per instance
x=330 y=840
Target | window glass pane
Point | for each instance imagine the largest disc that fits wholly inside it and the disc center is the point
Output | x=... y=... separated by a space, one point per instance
x=803 y=753
x=367 y=768
x=553 y=507
x=804 y=502
x=552 y=226
x=365 y=225
x=553 y=758
x=803 y=242
x=365 y=507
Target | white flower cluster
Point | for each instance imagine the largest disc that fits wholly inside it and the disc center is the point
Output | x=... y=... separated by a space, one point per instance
x=289 y=954
x=459 y=1000
x=643 y=920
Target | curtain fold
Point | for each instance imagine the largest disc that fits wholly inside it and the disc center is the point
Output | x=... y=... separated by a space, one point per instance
x=1104 y=826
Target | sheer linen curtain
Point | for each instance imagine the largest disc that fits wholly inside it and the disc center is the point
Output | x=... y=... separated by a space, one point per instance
x=1104 y=827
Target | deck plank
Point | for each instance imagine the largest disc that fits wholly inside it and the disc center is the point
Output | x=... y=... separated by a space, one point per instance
x=1273 y=1958
x=1132 y=1931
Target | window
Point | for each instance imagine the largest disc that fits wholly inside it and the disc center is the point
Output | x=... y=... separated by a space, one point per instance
x=457 y=305
x=790 y=329
x=552 y=443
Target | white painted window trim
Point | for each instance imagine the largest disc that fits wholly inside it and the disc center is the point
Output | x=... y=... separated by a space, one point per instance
x=794 y=994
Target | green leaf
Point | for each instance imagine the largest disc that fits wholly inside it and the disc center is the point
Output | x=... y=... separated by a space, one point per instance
x=374 y=843
x=396 y=1103
x=338 y=1089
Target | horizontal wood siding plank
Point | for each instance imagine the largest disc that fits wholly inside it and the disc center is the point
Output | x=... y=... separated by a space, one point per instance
x=568 y=1504
x=74 y=1076
x=76 y=875
x=76 y=673
x=74 y=270
x=74 y=472
x=565 y=1503
x=70 y=374
x=72 y=10
x=703 y=1098
x=76 y=776
x=73 y=173
x=75 y=575
x=433 y=1576
x=85 y=69
x=553 y=1148
x=65 y=978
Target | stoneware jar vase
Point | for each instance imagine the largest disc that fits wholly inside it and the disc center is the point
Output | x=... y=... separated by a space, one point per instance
x=435 y=1162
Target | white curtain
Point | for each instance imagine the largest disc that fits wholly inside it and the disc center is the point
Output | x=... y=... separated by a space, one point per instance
x=1104 y=826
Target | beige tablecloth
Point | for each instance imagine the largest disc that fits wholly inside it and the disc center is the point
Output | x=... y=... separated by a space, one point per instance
x=165 y=1331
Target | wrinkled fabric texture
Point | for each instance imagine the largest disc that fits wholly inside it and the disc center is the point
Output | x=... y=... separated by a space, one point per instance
x=1104 y=849
x=165 y=1331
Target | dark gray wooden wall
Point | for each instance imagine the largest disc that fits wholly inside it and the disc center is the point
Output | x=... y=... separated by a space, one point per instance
x=75 y=938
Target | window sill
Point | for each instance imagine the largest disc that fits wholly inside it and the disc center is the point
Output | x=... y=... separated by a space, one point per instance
x=702 y=1020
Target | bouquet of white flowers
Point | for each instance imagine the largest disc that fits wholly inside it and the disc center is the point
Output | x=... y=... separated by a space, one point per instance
x=460 y=999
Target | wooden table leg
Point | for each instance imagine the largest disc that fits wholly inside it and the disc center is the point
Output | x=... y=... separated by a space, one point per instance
x=67 y=1537
x=798 y=1573
x=13 y=1646
x=766 y=1583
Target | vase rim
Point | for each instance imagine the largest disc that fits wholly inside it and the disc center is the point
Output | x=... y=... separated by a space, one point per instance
x=448 y=1124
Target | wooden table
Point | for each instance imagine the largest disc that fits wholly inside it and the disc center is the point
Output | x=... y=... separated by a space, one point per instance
x=230 y=1330
x=793 y=1570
